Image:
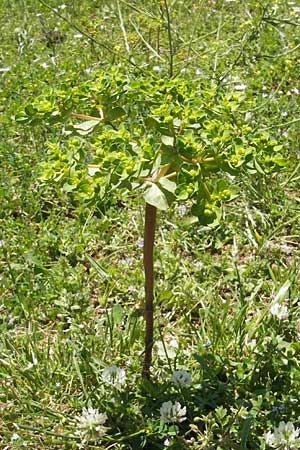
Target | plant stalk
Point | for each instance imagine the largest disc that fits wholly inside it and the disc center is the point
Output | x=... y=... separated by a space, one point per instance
x=171 y=54
x=149 y=233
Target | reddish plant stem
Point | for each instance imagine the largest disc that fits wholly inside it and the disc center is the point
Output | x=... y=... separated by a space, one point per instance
x=149 y=233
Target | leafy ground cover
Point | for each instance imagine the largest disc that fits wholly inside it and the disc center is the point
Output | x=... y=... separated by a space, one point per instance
x=225 y=372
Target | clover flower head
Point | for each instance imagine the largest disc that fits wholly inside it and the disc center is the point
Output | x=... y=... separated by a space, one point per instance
x=91 y=424
x=284 y=437
x=181 y=377
x=172 y=412
x=114 y=376
x=279 y=310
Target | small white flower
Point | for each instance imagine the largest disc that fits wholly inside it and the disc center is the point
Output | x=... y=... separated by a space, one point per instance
x=15 y=437
x=114 y=376
x=91 y=423
x=157 y=68
x=140 y=242
x=77 y=36
x=131 y=288
x=284 y=437
x=5 y=69
x=280 y=311
x=63 y=6
x=240 y=87
x=181 y=377
x=295 y=90
x=44 y=65
x=172 y=412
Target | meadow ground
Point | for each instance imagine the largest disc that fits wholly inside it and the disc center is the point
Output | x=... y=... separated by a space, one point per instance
x=227 y=325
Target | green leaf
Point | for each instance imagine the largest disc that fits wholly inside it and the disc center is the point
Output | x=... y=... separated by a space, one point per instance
x=258 y=167
x=245 y=432
x=280 y=161
x=168 y=140
x=188 y=221
x=150 y=122
x=33 y=259
x=29 y=110
x=155 y=197
x=283 y=292
x=168 y=185
x=86 y=127
x=103 y=273
x=93 y=169
x=114 y=113
x=117 y=314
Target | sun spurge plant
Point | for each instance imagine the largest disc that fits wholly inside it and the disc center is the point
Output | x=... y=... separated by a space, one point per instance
x=161 y=139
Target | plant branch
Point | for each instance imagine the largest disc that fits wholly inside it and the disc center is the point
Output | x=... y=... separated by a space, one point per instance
x=171 y=54
x=144 y=41
x=149 y=234
x=123 y=29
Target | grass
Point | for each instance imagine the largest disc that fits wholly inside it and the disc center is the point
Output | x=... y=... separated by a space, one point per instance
x=71 y=274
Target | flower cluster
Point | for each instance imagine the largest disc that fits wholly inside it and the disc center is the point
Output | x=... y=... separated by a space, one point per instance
x=181 y=378
x=284 y=437
x=91 y=424
x=114 y=376
x=172 y=412
x=279 y=310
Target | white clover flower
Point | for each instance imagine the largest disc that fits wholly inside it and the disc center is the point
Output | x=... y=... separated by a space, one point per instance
x=172 y=412
x=91 y=424
x=181 y=377
x=279 y=310
x=284 y=437
x=114 y=376
x=240 y=87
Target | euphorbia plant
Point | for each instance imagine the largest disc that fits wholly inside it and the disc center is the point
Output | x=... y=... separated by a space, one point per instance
x=169 y=140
